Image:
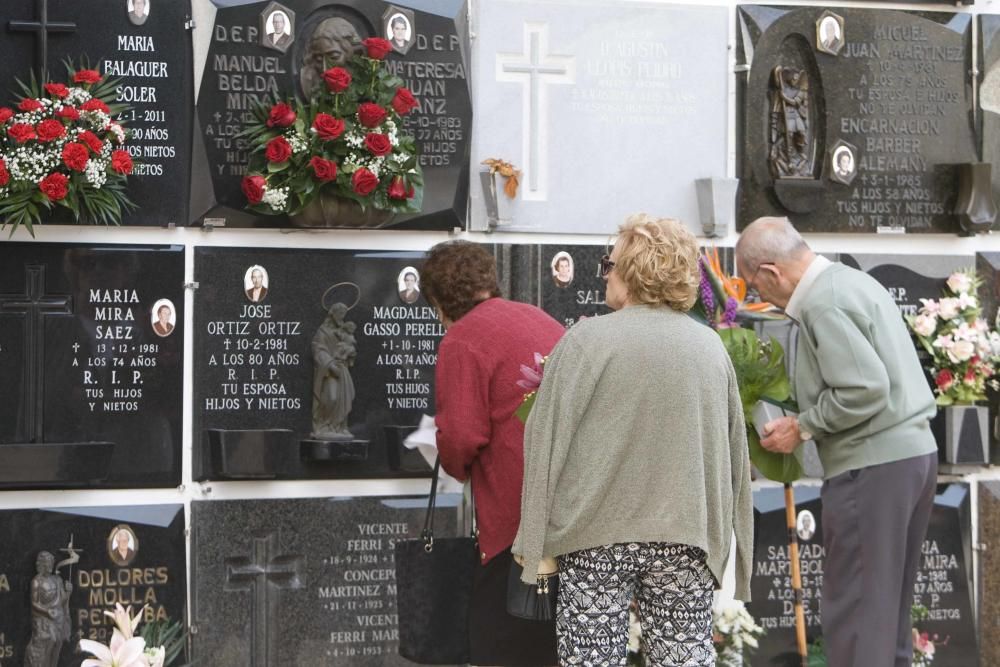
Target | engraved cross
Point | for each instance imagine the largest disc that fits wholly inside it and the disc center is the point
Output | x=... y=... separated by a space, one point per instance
x=42 y=27
x=35 y=305
x=534 y=67
x=262 y=572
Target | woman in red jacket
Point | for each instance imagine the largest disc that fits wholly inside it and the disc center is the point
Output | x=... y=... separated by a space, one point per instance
x=486 y=342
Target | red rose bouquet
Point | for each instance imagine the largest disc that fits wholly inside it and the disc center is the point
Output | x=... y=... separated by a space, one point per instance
x=60 y=145
x=347 y=141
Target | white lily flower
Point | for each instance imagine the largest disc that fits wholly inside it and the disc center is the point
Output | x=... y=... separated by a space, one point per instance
x=959 y=282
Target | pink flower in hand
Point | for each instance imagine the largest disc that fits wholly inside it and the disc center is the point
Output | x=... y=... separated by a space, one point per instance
x=532 y=377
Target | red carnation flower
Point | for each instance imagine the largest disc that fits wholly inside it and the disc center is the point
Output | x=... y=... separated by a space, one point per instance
x=55 y=186
x=121 y=162
x=403 y=101
x=281 y=115
x=377 y=47
x=378 y=144
x=28 y=104
x=327 y=127
x=397 y=188
x=944 y=379
x=87 y=76
x=75 y=156
x=50 y=130
x=370 y=114
x=4 y=174
x=337 y=79
x=21 y=132
x=6 y=114
x=92 y=141
x=364 y=182
x=95 y=105
x=68 y=113
x=324 y=169
x=253 y=188
x=278 y=150
x=57 y=90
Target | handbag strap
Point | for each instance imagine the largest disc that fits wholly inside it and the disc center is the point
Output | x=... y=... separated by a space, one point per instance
x=427 y=534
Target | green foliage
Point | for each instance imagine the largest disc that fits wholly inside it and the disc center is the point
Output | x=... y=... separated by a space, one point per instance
x=171 y=635
x=760 y=371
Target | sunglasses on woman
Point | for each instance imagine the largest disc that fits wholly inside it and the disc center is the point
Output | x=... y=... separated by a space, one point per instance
x=604 y=266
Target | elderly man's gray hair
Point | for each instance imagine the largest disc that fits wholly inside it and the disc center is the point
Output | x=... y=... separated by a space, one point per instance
x=769 y=240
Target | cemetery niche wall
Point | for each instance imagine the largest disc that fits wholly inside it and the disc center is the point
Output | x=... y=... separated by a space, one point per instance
x=92 y=356
x=151 y=60
x=246 y=66
x=76 y=562
x=310 y=363
x=857 y=120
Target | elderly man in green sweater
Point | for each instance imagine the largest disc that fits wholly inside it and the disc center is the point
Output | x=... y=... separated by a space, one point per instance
x=864 y=398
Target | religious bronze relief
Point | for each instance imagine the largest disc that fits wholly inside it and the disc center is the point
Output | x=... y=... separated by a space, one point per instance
x=792 y=144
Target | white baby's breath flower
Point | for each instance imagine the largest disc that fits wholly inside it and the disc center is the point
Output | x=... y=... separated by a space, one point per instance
x=96 y=172
x=276 y=198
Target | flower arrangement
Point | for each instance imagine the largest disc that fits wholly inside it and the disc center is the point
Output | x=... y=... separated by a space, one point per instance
x=61 y=146
x=348 y=141
x=963 y=350
x=734 y=634
x=126 y=649
x=923 y=643
x=722 y=298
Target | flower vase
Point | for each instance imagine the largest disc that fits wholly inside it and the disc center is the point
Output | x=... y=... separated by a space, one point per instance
x=328 y=210
x=966 y=433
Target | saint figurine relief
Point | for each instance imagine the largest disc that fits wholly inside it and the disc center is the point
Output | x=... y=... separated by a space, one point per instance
x=334 y=349
x=50 y=619
x=791 y=154
x=332 y=43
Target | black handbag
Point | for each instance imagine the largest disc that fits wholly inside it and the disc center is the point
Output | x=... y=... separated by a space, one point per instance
x=535 y=601
x=433 y=592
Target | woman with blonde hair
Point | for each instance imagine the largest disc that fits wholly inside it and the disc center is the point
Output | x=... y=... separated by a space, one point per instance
x=636 y=471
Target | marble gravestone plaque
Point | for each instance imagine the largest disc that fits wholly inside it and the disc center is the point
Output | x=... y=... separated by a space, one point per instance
x=772 y=602
x=304 y=582
x=92 y=357
x=103 y=556
x=988 y=270
x=604 y=112
x=908 y=278
x=258 y=353
x=854 y=120
x=943 y=584
x=151 y=59
x=989 y=572
x=241 y=69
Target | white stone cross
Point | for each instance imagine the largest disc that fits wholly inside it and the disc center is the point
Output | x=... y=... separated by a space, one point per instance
x=533 y=67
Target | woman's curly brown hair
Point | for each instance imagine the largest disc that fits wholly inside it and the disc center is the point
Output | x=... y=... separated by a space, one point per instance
x=658 y=261
x=455 y=276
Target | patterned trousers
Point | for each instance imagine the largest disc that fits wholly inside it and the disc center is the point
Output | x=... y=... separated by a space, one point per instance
x=674 y=589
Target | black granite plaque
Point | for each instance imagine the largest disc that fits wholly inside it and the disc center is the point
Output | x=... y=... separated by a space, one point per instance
x=854 y=120
x=771 y=583
x=943 y=584
x=92 y=356
x=149 y=569
x=242 y=69
x=151 y=58
x=302 y=582
x=989 y=573
x=255 y=361
x=908 y=278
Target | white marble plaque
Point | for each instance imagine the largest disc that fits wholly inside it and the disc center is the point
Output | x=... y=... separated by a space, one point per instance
x=606 y=108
